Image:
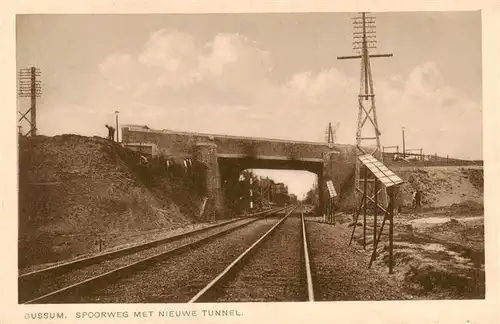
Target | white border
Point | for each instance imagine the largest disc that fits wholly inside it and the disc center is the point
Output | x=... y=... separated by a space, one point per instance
x=481 y=311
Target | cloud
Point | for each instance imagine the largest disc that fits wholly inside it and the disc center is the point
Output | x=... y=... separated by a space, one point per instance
x=225 y=85
x=116 y=71
x=175 y=61
x=436 y=117
x=170 y=51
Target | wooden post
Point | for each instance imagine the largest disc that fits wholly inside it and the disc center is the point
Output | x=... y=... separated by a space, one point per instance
x=332 y=203
x=328 y=210
x=404 y=150
x=117 y=135
x=375 y=212
x=391 y=227
x=355 y=221
x=333 y=210
x=325 y=214
x=364 y=207
x=378 y=239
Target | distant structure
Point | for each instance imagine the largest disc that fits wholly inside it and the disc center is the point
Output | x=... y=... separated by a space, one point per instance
x=29 y=87
x=330 y=134
x=364 y=39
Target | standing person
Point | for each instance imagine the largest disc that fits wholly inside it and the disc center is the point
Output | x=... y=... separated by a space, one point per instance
x=111 y=132
x=418 y=200
x=397 y=200
x=414 y=200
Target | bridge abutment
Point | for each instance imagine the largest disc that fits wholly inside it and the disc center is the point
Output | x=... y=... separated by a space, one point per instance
x=328 y=173
x=206 y=154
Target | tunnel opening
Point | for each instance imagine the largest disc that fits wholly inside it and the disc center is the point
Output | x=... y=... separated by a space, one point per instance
x=250 y=187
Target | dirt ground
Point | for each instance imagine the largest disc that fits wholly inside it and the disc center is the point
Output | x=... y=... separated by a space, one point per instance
x=438 y=251
x=443 y=186
x=435 y=256
x=438 y=254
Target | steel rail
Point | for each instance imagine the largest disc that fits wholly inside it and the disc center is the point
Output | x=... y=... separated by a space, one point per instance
x=310 y=290
x=238 y=260
x=132 y=267
x=34 y=277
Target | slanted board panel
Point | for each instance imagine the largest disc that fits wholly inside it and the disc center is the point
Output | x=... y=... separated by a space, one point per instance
x=380 y=171
x=331 y=189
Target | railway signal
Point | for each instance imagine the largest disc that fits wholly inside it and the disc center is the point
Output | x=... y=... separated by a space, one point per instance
x=332 y=193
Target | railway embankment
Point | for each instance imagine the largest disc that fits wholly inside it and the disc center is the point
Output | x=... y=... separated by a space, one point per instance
x=80 y=194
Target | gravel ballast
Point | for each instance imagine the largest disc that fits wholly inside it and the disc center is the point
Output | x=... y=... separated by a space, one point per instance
x=274 y=272
x=77 y=275
x=179 y=278
x=340 y=272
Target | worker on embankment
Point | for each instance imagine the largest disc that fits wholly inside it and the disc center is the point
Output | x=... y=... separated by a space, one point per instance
x=111 y=132
x=418 y=200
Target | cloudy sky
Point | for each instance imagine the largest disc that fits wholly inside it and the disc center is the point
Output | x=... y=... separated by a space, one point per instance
x=266 y=75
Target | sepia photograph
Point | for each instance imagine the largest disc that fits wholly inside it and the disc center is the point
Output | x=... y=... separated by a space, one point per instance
x=250 y=157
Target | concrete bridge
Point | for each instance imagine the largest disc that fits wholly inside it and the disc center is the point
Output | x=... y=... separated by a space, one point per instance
x=224 y=157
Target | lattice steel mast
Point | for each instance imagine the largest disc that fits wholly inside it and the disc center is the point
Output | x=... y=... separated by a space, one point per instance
x=29 y=87
x=364 y=39
x=329 y=134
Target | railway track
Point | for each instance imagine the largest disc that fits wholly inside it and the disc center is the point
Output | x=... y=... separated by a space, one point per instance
x=173 y=279
x=276 y=267
x=48 y=285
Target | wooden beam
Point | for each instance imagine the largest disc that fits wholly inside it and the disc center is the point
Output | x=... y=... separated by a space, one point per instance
x=371 y=200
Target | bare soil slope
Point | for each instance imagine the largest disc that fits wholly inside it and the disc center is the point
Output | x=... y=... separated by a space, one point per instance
x=74 y=190
x=438 y=252
x=443 y=186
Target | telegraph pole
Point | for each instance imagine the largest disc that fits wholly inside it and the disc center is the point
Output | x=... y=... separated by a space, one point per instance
x=251 y=192
x=364 y=39
x=404 y=148
x=117 y=132
x=30 y=87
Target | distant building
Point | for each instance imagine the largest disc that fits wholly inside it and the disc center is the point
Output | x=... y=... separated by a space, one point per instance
x=280 y=188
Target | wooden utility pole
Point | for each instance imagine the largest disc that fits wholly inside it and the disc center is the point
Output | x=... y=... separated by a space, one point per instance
x=404 y=147
x=117 y=132
x=364 y=40
x=30 y=87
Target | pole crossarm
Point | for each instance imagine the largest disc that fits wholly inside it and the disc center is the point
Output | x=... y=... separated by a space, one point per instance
x=353 y=57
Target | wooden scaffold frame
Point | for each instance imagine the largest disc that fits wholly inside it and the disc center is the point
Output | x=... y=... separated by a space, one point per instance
x=385 y=177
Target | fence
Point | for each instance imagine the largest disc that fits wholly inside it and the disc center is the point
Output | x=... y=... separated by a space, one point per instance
x=425 y=160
